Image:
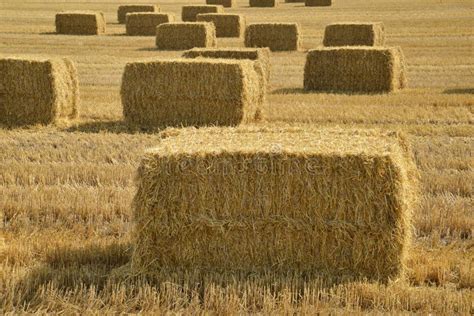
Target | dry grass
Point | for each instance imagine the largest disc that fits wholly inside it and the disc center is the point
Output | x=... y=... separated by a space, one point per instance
x=66 y=192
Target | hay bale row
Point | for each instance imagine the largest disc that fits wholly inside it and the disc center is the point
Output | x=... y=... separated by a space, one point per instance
x=190 y=92
x=185 y=35
x=354 y=34
x=318 y=3
x=354 y=69
x=145 y=23
x=134 y=8
x=189 y=13
x=223 y=199
x=227 y=25
x=80 y=23
x=224 y=3
x=263 y=3
x=276 y=36
x=37 y=91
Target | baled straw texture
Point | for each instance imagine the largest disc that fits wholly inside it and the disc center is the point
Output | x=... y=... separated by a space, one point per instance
x=145 y=23
x=354 y=34
x=227 y=25
x=354 y=69
x=190 y=92
x=224 y=3
x=134 y=8
x=80 y=23
x=185 y=35
x=318 y=3
x=276 y=36
x=37 y=91
x=263 y=3
x=189 y=13
x=337 y=202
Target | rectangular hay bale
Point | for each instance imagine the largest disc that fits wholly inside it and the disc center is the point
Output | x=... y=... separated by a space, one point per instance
x=224 y=3
x=354 y=34
x=37 y=91
x=227 y=25
x=354 y=69
x=145 y=23
x=190 y=92
x=263 y=3
x=276 y=36
x=185 y=35
x=318 y=3
x=134 y=8
x=335 y=202
x=189 y=13
x=80 y=23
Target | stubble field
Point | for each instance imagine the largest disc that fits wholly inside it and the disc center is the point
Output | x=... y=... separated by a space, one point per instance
x=65 y=191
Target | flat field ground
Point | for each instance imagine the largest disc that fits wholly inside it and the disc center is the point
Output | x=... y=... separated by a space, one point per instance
x=65 y=191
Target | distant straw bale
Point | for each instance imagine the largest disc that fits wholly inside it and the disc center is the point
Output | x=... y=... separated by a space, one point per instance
x=191 y=92
x=318 y=3
x=276 y=36
x=224 y=3
x=80 y=23
x=134 y=8
x=354 y=34
x=37 y=91
x=185 y=35
x=227 y=25
x=354 y=69
x=145 y=23
x=294 y=1
x=190 y=12
x=263 y=3
x=267 y=200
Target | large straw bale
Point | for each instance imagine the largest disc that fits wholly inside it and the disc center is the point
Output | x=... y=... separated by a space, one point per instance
x=190 y=92
x=318 y=3
x=185 y=35
x=354 y=34
x=190 y=12
x=134 y=8
x=37 y=91
x=276 y=36
x=227 y=25
x=80 y=23
x=224 y=3
x=354 y=69
x=263 y=3
x=145 y=23
x=336 y=202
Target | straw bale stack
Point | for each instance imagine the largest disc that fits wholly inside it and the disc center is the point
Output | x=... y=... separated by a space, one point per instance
x=227 y=25
x=276 y=36
x=224 y=3
x=185 y=35
x=263 y=3
x=134 y=8
x=80 y=23
x=354 y=34
x=189 y=13
x=145 y=23
x=318 y=3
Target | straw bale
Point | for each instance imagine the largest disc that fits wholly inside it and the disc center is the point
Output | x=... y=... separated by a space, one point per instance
x=354 y=34
x=227 y=25
x=80 y=23
x=190 y=92
x=145 y=23
x=354 y=69
x=337 y=202
x=185 y=35
x=318 y=3
x=134 y=8
x=190 y=12
x=37 y=91
x=263 y=3
x=276 y=36
x=224 y=3
x=294 y=1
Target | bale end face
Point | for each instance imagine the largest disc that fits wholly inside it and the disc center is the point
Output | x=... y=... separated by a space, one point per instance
x=276 y=36
x=263 y=3
x=333 y=201
x=227 y=25
x=133 y=8
x=354 y=34
x=189 y=13
x=145 y=23
x=185 y=35
x=224 y=3
x=80 y=23
x=318 y=3
x=37 y=91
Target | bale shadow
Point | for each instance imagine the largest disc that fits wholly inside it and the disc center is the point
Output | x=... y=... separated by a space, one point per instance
x=148 y=49
x=116 y=127
x=303 y=91
x=291 y=91
x=459 y=91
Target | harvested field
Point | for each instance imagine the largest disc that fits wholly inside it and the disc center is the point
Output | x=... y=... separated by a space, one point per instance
x=359 y=70
x=227 y=25
x=263 y=3
x=123 y=10
x=191 y=92
x=185 y=35
x=189 y=13
x=80 y=23
x=37 y=91
x=224 y=3
x=144 y=24
x=354 y=34
x=276 y=36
